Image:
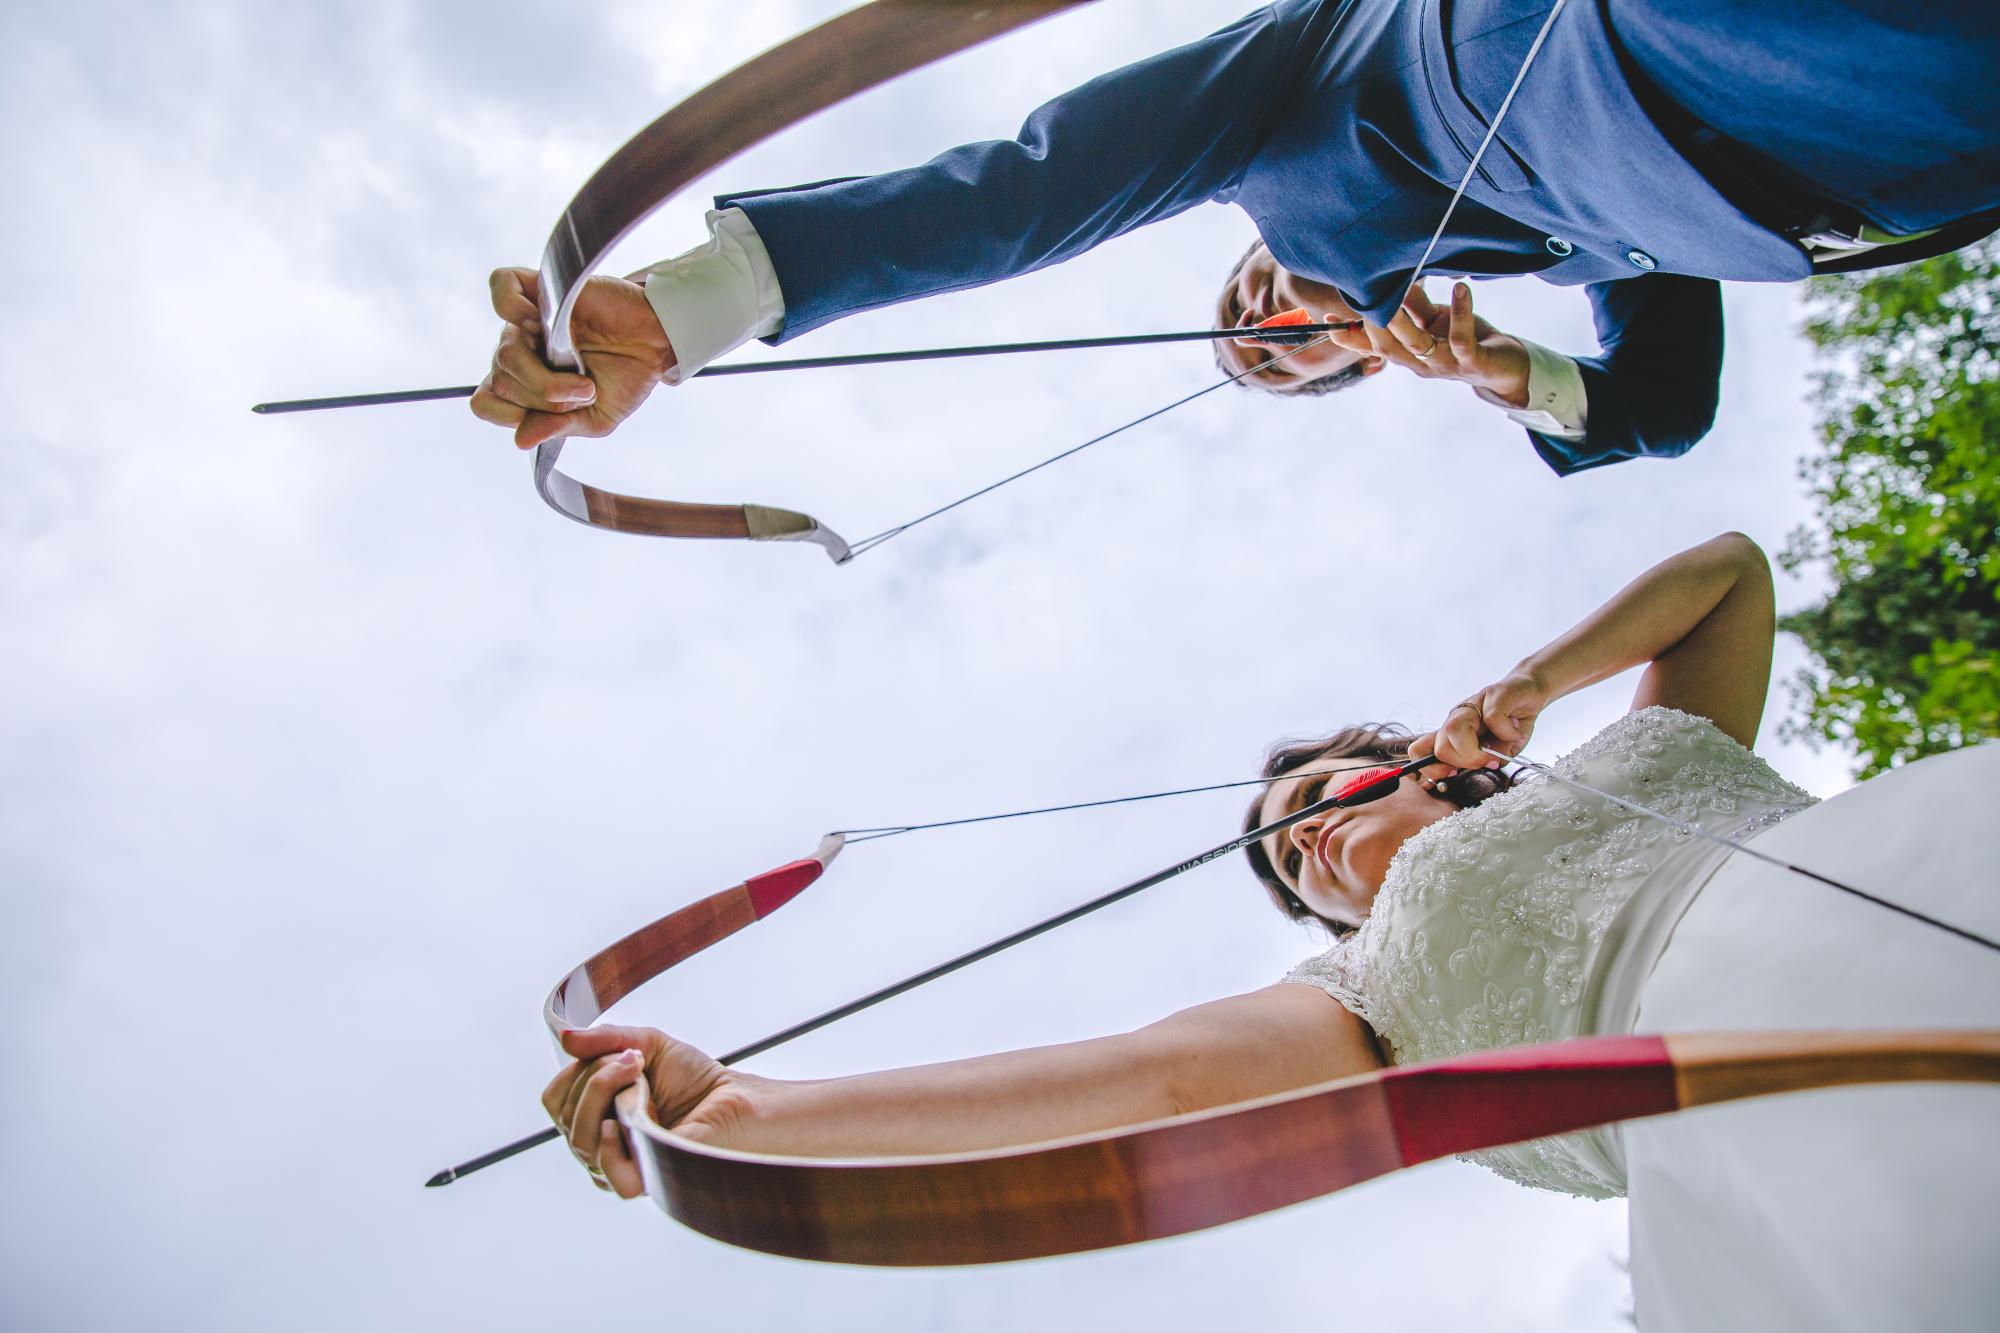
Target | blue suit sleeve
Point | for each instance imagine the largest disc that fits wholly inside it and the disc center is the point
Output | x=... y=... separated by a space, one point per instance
x=1132 y=147
x=1652 y=392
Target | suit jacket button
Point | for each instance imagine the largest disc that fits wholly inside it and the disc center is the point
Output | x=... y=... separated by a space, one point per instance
x=1559 y=247
x=1640 y=259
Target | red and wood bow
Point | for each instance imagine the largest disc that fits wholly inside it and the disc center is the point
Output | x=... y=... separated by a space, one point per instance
x=1192 y=1171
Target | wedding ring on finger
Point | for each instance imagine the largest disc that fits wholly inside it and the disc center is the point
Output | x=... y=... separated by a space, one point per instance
x=1428 y=352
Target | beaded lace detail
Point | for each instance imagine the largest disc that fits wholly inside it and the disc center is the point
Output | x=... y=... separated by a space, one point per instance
x=1489 y=923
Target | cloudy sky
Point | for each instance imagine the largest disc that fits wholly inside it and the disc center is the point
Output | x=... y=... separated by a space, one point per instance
x=326 y=748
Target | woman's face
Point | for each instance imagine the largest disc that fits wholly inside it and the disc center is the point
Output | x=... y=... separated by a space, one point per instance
x=1335 y=861
x=1262 y=289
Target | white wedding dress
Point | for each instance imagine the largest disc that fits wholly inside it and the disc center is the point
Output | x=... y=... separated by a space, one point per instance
x=1547 y=913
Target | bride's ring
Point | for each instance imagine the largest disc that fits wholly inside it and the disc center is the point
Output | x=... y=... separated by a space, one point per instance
x=1428 y=352
x=1468 y=704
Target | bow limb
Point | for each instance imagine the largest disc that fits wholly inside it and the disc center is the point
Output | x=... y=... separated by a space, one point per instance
x=1201 y=1170
x=813 y=71
x=612 y=973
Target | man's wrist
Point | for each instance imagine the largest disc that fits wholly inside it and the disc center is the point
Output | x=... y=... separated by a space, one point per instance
x=1555 y=403
x=1510 y=398
x=1509 y=389
x=656 y=340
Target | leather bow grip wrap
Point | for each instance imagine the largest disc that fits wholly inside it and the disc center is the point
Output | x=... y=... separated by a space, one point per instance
x=1201 y=1170
x=848 y=54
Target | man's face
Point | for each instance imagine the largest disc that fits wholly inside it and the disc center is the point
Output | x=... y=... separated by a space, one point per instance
x=1262 y=289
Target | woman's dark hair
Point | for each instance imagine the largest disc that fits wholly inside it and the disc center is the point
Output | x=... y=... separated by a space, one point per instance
x=1348 y=375
x=1385 y=742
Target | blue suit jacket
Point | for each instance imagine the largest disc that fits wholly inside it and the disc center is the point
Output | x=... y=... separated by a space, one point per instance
x=1341 y=128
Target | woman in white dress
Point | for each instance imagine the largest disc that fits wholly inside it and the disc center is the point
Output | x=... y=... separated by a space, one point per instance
x=1472 y=913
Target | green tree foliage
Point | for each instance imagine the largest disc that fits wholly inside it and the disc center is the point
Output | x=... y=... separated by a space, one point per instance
x=1906 y=648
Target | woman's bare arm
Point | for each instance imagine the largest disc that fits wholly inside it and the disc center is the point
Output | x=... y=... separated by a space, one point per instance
x=1701 y=622
x=1271 y=1040
x=1720 y=668
x=1268 y=1041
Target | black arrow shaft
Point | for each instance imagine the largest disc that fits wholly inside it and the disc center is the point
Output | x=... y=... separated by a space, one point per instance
x=1293 y=334
x=1370 y=792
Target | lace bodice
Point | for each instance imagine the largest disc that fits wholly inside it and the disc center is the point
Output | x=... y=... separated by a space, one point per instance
x=1535 y=915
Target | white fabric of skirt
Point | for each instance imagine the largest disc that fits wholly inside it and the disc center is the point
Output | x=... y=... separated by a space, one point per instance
x=1848 y=1209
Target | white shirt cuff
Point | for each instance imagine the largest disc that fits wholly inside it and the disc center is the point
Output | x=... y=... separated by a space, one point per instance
x=1557 y=405
x=717 y=296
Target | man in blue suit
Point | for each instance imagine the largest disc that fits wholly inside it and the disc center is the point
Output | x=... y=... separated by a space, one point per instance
x=1647 y=155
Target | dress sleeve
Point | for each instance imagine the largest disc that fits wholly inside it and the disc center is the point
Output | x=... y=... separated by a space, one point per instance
x=1131 y=147
x=1337 y=972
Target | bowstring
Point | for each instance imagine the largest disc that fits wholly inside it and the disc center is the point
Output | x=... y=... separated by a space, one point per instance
x=1417 y=275
x=1698 y=831
x=873 y=832
x=870 y=543
x=1492 y=130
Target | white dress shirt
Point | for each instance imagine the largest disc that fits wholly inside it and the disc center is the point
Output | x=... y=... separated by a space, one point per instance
x=723 y=293
x=717 y=296
x=1556 y=402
